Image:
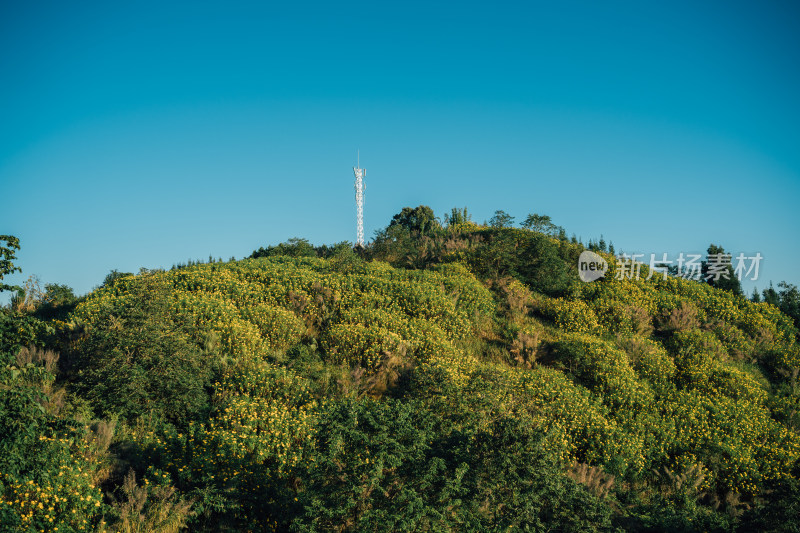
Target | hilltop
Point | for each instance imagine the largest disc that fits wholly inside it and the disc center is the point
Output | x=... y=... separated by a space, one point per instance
x=446 y=377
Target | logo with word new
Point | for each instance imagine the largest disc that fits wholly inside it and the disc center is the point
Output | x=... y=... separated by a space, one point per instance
x=591 y=266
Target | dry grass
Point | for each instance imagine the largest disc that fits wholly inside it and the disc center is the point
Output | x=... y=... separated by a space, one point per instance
x=594 y=478
x=99 y=439
x=689 y=480
x=516 y=298
x=150 y=509
x=523 y=349
x=641 y=321
x=731 y=502
x=635 y=347
x=32 y=354
x=54 y=397
x=385 y=376
x=681 y=318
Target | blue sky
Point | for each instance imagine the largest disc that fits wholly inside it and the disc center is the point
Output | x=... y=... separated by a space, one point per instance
x=146 y=134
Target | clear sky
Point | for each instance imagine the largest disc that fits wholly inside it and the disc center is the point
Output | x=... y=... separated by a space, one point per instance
x=142 y=134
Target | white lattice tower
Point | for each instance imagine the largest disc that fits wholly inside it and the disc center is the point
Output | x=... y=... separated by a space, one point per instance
x=360 y=173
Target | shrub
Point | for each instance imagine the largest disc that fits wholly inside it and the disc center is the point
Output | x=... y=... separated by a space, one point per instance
x=616 y=317
x=396 y=466
x=649 y=359
x=602 y=368
x=49 y=467
x=570 y=315
x=137 y=358
x=698 y=341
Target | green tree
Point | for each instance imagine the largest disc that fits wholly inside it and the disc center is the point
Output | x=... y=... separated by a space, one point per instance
x=501 y=219
x=544 y=224
x=718 y=270
x=540 y=223
x=294 y=247
x=543 y=267
x=8 y=247
x=418 y=221
x=790 y=301
x=393 y=244
x=343 y=249
x=771 y=296
x=113 y=276
x=457 y=216
x=531 y=257
x=58 y=300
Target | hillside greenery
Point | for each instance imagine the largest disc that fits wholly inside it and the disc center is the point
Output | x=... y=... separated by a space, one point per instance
x=449 y=376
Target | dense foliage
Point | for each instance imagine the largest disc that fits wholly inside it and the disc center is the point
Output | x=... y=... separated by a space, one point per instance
x=448 y=377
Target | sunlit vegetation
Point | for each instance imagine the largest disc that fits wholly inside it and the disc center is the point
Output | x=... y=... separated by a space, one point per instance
x=450 y=376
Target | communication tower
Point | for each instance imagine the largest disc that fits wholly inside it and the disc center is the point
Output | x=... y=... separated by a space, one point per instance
x=360 y=173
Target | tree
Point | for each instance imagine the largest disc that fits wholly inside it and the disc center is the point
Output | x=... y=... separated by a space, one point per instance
x=718 y=270
x=113 y=276
x=501 y=219
x=533 y=258
x=419 y=220
x=57 y=301
x=7 y=256
x=457 y=216
x=294 y=247
x=790 y=301
x=544 y=224
x=771 y=296
x=542 y=268
x=338 y=249
x=540 y=223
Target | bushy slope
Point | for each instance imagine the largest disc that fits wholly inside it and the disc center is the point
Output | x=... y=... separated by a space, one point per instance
x=348 y=394
x=355 y=311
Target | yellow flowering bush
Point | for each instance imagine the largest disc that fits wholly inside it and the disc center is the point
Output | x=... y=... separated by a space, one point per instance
x=649 y=359
x=354 y=344
x=270 y=303
x=260 y=431
x=570 y=315
x=603 y=368
x=280 y=328
x=739 y=440
x=63 y=497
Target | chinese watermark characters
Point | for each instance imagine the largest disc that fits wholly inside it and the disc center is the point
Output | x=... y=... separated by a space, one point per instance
x=690 y=266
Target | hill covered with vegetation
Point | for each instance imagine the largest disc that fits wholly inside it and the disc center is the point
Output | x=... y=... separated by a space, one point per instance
x=448 y=377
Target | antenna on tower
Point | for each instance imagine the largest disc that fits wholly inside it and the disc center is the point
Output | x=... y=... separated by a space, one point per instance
x=360 y=174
